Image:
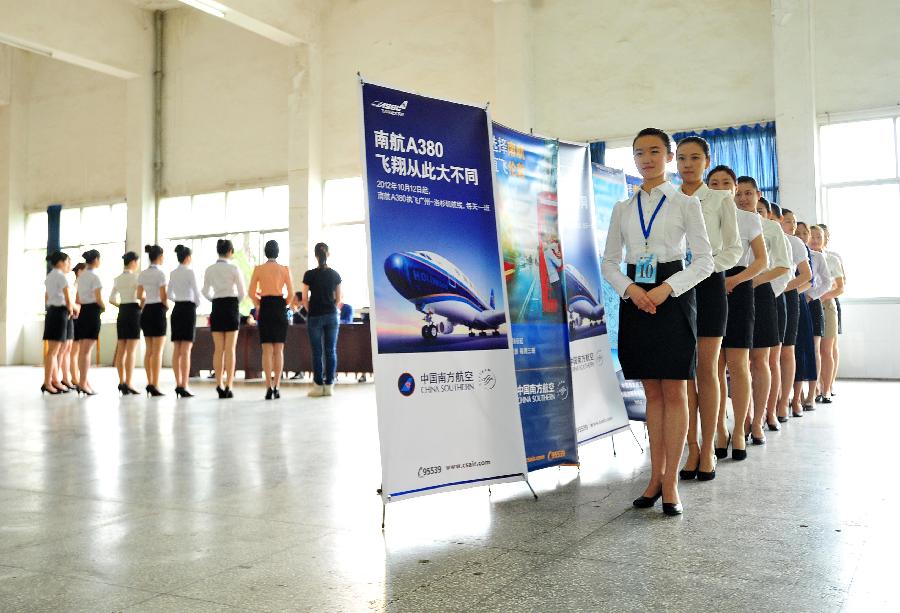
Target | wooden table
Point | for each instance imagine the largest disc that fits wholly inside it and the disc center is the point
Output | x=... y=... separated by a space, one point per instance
x=354 y=350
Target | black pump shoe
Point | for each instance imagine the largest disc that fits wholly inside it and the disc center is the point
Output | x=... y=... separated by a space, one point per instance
x=687 y=475
x=221 y=392
x=645 y=502
x=152 y=391
x=782 y=420
x=773 y=426
x=758 y=441
x=229 y=393
x=722 y=452
x=673 y=508
x=47 y=390
x=181 y=392
x=276 y=393
x=738 y=455
x=269 y=393
x=704 y=476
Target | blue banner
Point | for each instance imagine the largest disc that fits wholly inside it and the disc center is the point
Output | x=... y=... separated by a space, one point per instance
x=611 y=186
x=526 y=169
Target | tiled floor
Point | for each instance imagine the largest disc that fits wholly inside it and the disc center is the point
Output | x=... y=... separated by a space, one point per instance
x=204 y=505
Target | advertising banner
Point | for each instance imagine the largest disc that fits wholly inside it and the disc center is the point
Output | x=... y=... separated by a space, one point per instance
x=533 y=267
x=599 y=409
x=610 y=186
x=446 y=382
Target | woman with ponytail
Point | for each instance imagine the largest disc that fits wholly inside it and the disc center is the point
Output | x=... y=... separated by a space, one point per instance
x=128 y=321
x=87 y=326
x=184 y=293
x=224 y=287
x=154 y=304
x=321 y=295
x=59 y=311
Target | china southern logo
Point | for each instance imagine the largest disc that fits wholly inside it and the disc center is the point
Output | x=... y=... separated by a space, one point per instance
x=391 y=109
x=406 y=384
x=486 y=379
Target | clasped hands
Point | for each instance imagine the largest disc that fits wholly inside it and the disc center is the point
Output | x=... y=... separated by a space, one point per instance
x=648 y=301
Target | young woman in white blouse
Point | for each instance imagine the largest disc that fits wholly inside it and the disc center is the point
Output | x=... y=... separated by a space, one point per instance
x=739 y=329
x=779 y=284
x=224 y=286
x=59 y=311
x=839 y=266
x=128 y=321
x=830 y=329
x=184 y=293
x=798 y=281
x=720 y=218
x=822 y=285
x=87 y=326
x=657 y=312
x=151 y=291
x=72 y=371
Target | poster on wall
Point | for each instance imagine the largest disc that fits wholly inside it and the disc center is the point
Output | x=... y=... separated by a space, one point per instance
x=611 y=186
x=533 y=268
x=599 y=409
x=446 y=385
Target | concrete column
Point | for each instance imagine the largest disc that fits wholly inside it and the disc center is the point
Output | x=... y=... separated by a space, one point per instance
x=305 y=155
x=140 y=192
x=513 y=65
x=795 y=106
x=13 y=176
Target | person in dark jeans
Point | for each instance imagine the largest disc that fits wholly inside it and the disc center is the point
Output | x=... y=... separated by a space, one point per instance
x=321 y=296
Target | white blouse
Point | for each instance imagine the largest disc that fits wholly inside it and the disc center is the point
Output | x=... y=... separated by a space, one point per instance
x=88 y=283
x=223 y=280
x=125 y=288
x=183 y=286
x=821 y=276
x=777 y=249
x=55 y=283
x=835 y=268
x=720 y=217
x=749 y=227
x=678 y=219
x=151 y=279
x=779 y=284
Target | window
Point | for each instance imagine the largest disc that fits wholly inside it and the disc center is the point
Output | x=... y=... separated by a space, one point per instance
x=247 y=217
x=100 y=227
x=344 y=230
x=861 y=186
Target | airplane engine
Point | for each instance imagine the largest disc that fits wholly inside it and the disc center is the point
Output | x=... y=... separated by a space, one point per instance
x=446 y=327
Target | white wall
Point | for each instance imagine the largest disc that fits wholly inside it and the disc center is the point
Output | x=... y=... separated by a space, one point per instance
x=226 y=105
x=868 y=346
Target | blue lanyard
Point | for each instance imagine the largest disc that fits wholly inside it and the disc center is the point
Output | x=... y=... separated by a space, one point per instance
x=645 y=228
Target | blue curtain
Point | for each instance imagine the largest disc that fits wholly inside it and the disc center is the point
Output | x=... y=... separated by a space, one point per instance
x=748 y=150
x=53 y=212
x=598 y=152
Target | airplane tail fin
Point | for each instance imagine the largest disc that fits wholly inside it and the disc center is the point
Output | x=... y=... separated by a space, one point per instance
x=493 y=306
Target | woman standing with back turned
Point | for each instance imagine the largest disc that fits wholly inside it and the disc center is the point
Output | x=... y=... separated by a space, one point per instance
x=151 y=291
x=270 y=284
x=224 y=287
x=184 y=293
x=128 y=321
x=87 y=326
x=321 y=294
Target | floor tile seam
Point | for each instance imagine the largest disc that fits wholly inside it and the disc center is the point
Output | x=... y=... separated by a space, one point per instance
x=62 y=575
x=76 y=533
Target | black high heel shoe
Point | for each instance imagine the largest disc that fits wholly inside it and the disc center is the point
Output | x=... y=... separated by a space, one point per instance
x=229 y=393
x=181 y=392
x=774 y=427
x=132 y=392
x=47 y=390
x=152 y=391
x=722 y=452
x=83 y=392
x=220 y=392
x=738 y=455
x=276 y=393
x=67 y=385
x=269 y=393
x=673 y=508
x=782 y=420
x=758 y=441
x=645 y=502
x=123 y=389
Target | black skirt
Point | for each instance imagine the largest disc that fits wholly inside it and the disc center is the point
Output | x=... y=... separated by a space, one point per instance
x=817 y=315
x=70 y=329
x=781 y=309
x=837 y=303
x=153 y=320
x=792 y=300
x=272 y=319
x=128 y=322
x=56 y=322
x=664 y=345
x=184 y=321
x=712 y=306
x=765 y=325
x=87 y=326
x=741 y=313
x=805 y=349
x=225 y=316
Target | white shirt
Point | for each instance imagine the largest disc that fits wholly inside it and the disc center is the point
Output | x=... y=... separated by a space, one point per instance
x=835 y=267
x=779 y=284
x=224 y=279
x=749 y=227
x=777 y=249
x=183 y=285
x=720 y=217
x=797 y=254
x=679 y=219
x=821 y=276
x=55 y=283
x=88 y=282
x=840 y=261
x=151 y=279
x=125 y=288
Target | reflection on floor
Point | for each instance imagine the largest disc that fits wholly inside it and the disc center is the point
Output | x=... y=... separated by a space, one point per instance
x=248 y=505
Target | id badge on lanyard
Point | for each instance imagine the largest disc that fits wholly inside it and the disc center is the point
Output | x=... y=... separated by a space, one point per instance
x=645 y=268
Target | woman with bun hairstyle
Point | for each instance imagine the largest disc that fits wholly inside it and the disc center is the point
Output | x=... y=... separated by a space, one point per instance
x=72 y=371
x=805 y=350
x=823 y=296
x=59 y=311
x=224 y=287
x=658 y=309
x=128 y=321
x=87 y=326
x=269 y=285
x=184 y=293
x=151 y=291
x=720 y=218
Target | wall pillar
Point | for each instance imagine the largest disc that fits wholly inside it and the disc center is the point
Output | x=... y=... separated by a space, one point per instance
x=140 y=190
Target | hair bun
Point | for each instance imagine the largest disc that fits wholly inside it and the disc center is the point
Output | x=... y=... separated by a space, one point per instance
x=179 y=248
x=146 y=248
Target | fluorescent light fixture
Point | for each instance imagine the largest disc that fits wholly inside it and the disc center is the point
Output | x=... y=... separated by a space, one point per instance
x=207 y=6
x=25 y=46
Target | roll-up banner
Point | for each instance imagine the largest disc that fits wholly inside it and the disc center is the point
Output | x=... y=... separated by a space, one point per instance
x=610 y=186
x=599 y=409
x=533 y=267
x=446 y=382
